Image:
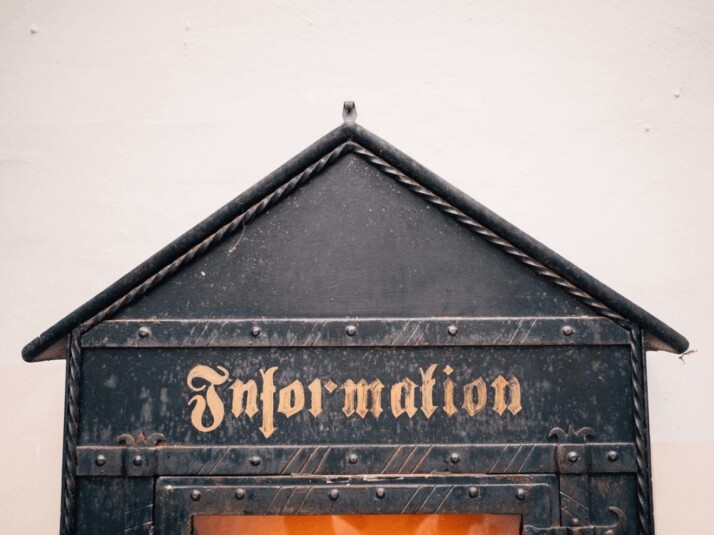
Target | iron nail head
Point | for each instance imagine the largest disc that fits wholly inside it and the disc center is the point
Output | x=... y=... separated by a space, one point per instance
x=144 y=332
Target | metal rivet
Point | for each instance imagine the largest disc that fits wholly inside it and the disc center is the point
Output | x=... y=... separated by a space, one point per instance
x=255 y=460
x=255 y=332
x=334 y=494
x=612 y=456
x=452 y=330
x=352 y=459
x=455 y=458
x=138 y=460
x=101 y=460
x=521 y=494
x=473 y=492
x=568 y=330
x=240 y=494
x=195 y=495
x=351 y=330
x=381 y=493
x=144 y=332
x=573 y=457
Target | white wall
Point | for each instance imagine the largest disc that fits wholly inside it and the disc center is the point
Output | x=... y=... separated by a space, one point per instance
x=588 y=124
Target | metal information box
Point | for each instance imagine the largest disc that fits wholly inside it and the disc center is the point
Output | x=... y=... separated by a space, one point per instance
x=354 y=336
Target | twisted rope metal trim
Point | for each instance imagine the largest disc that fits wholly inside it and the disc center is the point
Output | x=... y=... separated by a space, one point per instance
x=246 y=217
x=490 y=236
x=69 y=489
x=229 y=228
x=243 y=219
x=641 y=436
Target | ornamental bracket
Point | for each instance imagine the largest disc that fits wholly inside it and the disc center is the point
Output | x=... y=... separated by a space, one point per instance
x=139 y=456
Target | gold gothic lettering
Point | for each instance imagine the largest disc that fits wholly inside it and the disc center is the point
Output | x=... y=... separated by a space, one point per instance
x=471 y=405
x=244 y=394
x=291 y=399
x=427 y=390
x=360 y=391
x=514 y=403
x=361 y=398
x=266 y=398
x=402 y=398
x=449 y=406
x=212 y=400
x=315 y=389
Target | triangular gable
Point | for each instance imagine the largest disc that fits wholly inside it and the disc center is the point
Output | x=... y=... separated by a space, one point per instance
x=353 y=242
x=375 y=159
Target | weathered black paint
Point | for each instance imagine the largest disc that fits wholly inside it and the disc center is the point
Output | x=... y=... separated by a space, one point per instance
x=584 y=386
x=175 y=504
x=666 y=337
x=115 y=505
x=365 y=332
x=371 y=268
x=353 y=242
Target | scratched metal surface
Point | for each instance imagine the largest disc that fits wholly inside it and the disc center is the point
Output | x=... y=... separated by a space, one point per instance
x=132 y=391
x=353 y=242
x=177 y=499
x=355 y=277
x=357 y=332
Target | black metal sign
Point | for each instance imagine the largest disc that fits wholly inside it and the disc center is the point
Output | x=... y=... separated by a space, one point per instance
x=354 y=336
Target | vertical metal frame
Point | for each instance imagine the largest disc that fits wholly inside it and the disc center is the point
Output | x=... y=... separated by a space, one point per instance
x=71 y=434
x=645 y=517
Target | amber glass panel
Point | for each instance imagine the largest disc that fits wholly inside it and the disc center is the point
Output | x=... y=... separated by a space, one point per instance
x=450 y=524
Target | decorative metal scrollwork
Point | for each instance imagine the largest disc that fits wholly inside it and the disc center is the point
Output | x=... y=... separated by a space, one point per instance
x=141 y=440
x=584 y=434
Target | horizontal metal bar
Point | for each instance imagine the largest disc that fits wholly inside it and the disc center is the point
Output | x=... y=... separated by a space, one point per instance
x=326 y=332
x=178 y=500
x=346 y=460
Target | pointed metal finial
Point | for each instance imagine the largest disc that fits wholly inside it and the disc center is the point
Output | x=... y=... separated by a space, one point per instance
x=349 y=111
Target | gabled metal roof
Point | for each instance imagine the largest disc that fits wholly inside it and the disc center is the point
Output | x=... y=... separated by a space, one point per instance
x=605 y=301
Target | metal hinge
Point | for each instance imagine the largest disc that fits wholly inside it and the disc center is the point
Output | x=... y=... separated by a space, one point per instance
x=618 y=528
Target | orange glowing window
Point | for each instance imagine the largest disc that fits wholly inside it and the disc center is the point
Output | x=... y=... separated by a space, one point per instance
x=450 y=524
